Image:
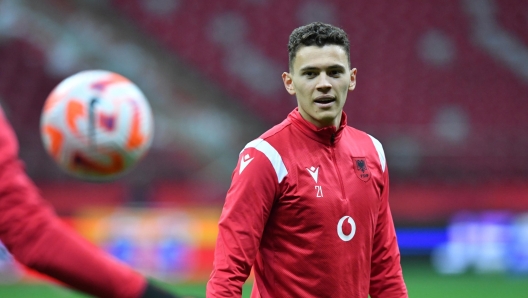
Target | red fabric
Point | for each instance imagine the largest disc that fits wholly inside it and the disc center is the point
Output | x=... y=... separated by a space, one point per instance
x=288 y=229
x=38 y=239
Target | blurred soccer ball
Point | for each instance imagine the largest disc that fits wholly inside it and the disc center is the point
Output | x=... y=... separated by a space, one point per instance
x=96 y=125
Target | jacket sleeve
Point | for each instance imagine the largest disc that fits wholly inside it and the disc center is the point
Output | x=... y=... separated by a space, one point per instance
x=38 y=239
x=246 y=210
x=386 y=277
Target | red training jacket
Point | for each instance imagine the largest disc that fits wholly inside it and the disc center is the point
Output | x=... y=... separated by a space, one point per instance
x=38 y=239
x=308 y=209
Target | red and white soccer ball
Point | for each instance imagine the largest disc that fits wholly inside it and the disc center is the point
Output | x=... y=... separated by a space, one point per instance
x=96 y=125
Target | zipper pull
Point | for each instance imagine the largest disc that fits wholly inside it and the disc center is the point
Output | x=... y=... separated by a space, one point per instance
x=332 y=138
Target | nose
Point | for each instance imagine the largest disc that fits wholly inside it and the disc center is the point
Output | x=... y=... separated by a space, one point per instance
x=323 y=85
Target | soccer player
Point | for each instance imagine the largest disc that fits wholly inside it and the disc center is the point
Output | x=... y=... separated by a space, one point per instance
x=38 y=239
x=308 y=204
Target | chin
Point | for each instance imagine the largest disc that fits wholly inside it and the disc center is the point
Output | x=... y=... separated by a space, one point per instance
x=327 y=116
x=326 y=121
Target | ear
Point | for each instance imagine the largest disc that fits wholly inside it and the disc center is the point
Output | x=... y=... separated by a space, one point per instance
x=352 y=84
x=288 y=83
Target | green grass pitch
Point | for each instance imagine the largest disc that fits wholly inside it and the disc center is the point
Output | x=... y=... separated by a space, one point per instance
x=421 y=281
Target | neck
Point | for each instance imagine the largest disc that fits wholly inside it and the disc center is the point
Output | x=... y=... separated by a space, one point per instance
x=321 y=124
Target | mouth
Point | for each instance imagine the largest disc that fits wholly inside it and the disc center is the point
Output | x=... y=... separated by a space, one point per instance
x=325 y=100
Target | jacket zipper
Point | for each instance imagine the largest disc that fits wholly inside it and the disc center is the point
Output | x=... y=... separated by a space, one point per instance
x=332 y=147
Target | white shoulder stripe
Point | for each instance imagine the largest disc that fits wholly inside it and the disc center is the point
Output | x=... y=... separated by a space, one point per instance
x=272 y=154
x=381 y=154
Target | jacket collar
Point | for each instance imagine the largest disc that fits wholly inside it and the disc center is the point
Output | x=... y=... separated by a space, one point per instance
x=325 y=135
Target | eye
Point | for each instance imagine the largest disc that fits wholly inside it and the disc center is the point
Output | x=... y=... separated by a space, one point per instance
x=335 y=73
x=310 y=74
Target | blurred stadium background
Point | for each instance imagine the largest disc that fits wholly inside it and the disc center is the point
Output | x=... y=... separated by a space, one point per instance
x=442 y=84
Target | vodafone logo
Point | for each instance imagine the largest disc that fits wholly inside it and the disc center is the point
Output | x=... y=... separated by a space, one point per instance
x=340 y=224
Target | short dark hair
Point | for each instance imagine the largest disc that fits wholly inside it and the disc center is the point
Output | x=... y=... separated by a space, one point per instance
x=319 y=34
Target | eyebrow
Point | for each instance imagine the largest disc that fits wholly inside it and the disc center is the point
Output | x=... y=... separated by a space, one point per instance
x=307 y=68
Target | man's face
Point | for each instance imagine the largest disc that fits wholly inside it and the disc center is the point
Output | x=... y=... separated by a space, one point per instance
x=321 y=78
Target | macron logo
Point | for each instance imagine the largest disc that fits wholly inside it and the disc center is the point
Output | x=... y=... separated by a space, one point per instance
x=313 y=172
x=246 y=159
